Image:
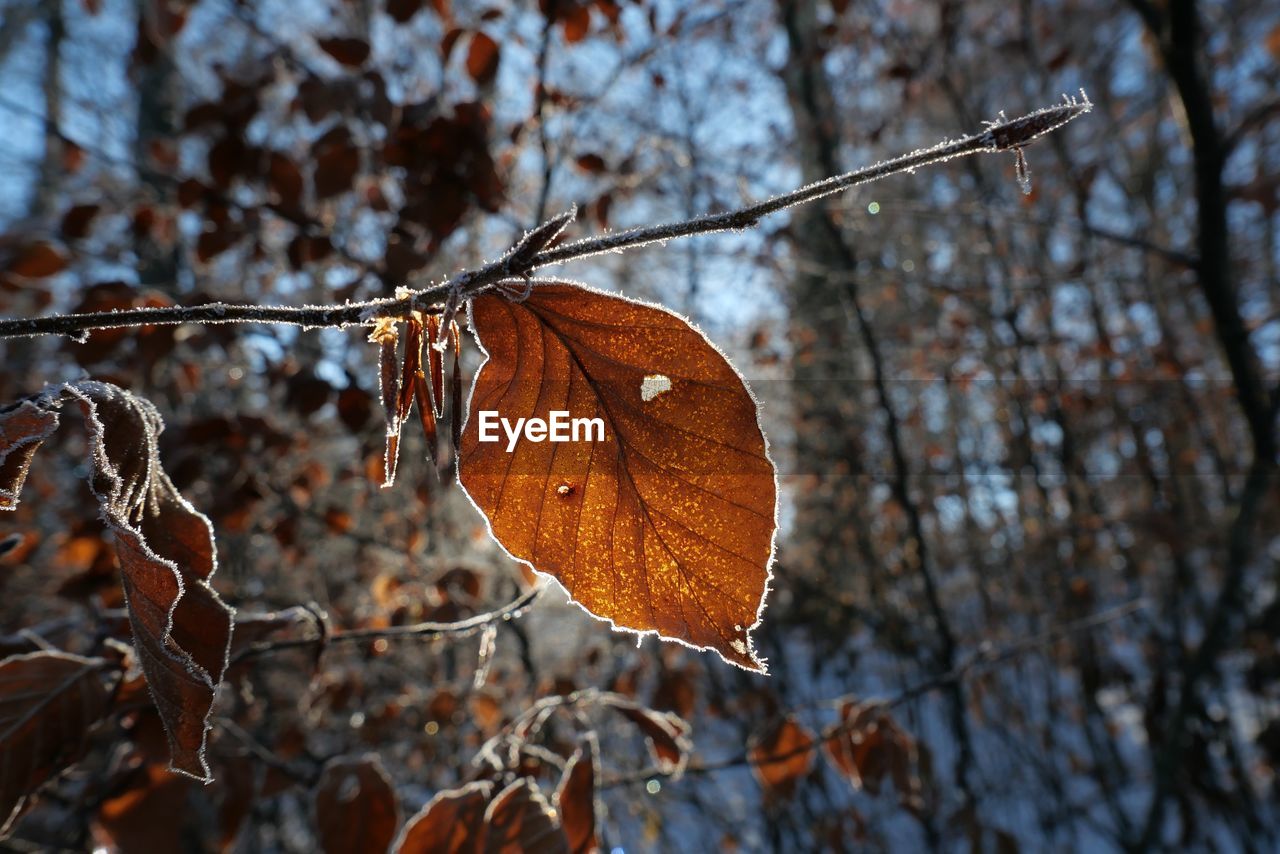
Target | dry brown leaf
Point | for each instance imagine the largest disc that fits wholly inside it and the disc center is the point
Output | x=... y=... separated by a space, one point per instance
x=575 y=800
x=482 y=58
x=667 y=525
x=181 y=628
x=783 y=757
x=452 y=821
x=356 y=807
x=49 y=702
x=871 y=746
x=351 y=52
x=667 y=735
x=519 y=819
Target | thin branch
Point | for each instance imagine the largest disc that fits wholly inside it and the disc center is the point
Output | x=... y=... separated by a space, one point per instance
x=265 y=755
x=997 y=137
x=1135 y=242
x=421 y=631
x=982 y=660
x=1253 y=120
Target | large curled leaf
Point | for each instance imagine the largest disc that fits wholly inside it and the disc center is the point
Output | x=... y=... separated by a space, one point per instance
x=666 y=525
x=181 y=628
x=49 y=701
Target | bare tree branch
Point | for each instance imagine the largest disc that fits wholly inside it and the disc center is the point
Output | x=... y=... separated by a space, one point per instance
x=998 y=137
x=419 y=631
x=982 y=660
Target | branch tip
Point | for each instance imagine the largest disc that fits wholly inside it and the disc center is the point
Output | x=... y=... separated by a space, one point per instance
x=1007 y=135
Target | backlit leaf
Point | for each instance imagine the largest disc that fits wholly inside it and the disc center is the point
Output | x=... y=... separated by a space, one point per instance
x=667 y=525
x=356 y=807
x=49 y=701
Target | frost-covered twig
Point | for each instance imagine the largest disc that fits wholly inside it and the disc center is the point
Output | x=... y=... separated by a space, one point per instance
x=1000 y=136
x=419 y=631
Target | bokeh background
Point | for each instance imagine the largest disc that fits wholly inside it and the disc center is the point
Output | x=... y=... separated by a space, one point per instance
x=1027 y=441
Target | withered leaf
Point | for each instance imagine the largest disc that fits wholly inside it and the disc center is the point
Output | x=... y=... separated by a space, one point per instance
x=77 y=220
x=37 y=261
x=424 y=392
x=666 y=733
x=666 y=525
x=435 y=358
x=870 y=745
x=336 y=166
x=592 y=163
x=181 y=628
x=520 y=819
x=49 y=702
x=402 y=10
x=151 y=815
x=386 y=336
x=356 y=806
x=577 y=23
x=576 y=800
x=783 y=757
x=455 y=393
x=285 y=180
x=482 y=58
x=348 y=51
x=450 y=822
x=23 y=427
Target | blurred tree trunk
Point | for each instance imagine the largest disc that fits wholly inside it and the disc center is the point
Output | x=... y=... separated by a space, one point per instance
x=831 y=531
x=44 y=202
x=1177 y=29
x=49 y=181
x=157 y=82
x=830 y=322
